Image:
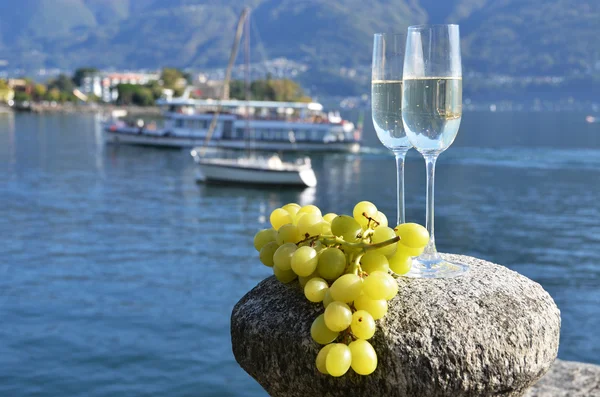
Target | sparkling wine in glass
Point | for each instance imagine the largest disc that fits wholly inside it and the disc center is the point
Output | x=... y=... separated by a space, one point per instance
x=386 y=103
x=431 y=112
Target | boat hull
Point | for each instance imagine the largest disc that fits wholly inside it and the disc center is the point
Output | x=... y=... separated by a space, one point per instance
x=144 y=139
x=255 y=176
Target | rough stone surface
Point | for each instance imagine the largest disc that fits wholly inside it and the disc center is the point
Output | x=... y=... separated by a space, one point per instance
x=492 y=332
x=568 y=379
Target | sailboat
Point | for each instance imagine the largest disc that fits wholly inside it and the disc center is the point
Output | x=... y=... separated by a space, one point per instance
x=591 y=119
x=248 y=169
x=255 y=170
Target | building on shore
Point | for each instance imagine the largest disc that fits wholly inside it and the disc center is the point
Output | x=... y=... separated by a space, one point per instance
x=104 y=85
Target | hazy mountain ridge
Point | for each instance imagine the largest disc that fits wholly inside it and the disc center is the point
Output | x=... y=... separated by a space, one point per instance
x=517 y=37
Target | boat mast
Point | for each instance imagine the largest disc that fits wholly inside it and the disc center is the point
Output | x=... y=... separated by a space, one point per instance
x=234 y=50
x=247 y=76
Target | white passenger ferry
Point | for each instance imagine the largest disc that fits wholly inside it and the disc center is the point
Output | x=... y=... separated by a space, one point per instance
x=257 y=125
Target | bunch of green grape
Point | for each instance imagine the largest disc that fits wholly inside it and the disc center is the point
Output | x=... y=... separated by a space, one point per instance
x=346 y=263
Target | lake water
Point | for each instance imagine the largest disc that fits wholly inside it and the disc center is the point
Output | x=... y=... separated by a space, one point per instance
x=119 y=272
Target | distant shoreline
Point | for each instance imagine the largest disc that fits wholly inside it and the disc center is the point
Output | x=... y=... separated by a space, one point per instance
x=75 y=108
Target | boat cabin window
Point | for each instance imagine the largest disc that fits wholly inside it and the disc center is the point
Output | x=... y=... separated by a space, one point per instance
x=179 y=123
x=227 y=128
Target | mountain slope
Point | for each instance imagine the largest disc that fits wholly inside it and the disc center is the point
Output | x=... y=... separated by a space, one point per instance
x=501 y=36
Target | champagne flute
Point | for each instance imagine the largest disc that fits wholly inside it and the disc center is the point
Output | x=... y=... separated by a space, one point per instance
x=431 y=112
x=386 y=103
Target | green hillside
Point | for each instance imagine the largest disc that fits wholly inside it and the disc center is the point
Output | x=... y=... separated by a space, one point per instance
x=515 y=37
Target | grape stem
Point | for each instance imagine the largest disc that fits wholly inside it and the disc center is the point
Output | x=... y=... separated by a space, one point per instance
x=346 y=336
x=357 y=269
x=334 y=240
x=367 y=234
x=354 y=266
x=370 y=220
x=382 y=243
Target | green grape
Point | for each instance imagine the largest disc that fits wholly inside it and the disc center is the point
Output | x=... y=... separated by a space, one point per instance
x=339 y=359
x=327 y=299
x=329 y=217
x=364 y=358
x=305 y=223
x=325 y=228
x=292 y=209
x=381 y=219
x=382 y=234
x=280 y=217
x=394 y=291
x=304 y=280
x=346 y=227
x=400 y=263
x=267 y=252
x=408 y=251
x=263 y=237
x=320 y=333
x=346 y=288
x=321 y=357
x=332 y=263
x=304 y=261
x=378 y=286
x=363 y=325
x=315 y=289
x=285 y=276
x=309 y=209
x=319 y=229
x=283 y=256
x=373 y=261
x=338 y=316
x=376 y=308
x=362 y=208
x=412 y=235
x=288 y=234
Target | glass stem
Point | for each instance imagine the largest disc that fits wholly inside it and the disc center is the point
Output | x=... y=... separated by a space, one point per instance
x=430 y=253
x=400 y=156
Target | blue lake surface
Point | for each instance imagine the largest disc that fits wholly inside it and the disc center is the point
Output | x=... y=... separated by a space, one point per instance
x=118 y=272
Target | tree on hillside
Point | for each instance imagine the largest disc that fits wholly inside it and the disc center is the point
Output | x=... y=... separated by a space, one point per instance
x=155 y=88
x=287 y=90
x=171 y=77
x=174 y=79
x=53 y=94
x=62 y=83
x=22 y=96
x=132 y=94
x=236 y=89
x=263 y=89
x=269 y=90
x=39 y=90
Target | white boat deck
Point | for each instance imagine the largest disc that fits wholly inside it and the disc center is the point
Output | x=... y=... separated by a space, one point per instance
x=255 y=170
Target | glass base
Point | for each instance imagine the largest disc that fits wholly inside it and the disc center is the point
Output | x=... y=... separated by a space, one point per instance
x=436 y=268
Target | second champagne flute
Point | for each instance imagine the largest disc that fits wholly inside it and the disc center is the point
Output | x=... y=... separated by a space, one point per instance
x=431 y=111
x=386 y=103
